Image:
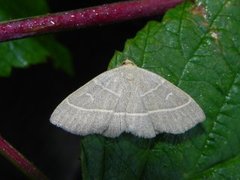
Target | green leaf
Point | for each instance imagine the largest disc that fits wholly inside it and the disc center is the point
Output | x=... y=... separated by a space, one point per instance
x=26 y=52
x=196 y=47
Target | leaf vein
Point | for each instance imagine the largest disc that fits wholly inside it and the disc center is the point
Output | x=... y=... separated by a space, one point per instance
x=200 y=43
x=205 y=144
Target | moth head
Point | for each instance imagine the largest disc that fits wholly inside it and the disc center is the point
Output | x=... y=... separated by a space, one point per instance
x=128 y=62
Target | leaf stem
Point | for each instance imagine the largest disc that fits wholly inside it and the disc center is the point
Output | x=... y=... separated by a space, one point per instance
x=8 y=151
x=80 y=18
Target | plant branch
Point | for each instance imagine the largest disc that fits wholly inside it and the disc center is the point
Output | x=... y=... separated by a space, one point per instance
x=80 y=18
x=20 y=161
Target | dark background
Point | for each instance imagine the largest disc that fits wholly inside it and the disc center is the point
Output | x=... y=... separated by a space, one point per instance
x=28 y=96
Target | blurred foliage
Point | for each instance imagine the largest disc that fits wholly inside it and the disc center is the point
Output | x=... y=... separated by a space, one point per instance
x=29 y=51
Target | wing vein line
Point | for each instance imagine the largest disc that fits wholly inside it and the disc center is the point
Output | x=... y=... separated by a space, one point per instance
x=127 y=113
x=109 y=90
x=153 y=89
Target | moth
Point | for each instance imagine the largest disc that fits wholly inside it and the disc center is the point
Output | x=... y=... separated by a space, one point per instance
x=127 y=99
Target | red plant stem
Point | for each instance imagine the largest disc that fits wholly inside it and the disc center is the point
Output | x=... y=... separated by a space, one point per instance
x=80 y=18
x=20 y=161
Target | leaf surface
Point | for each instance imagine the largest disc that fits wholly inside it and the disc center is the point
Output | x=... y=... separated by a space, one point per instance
x=29 y=51
x=197 y=48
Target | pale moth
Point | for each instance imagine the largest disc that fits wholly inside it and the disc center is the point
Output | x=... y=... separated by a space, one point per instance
x=127 y=99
